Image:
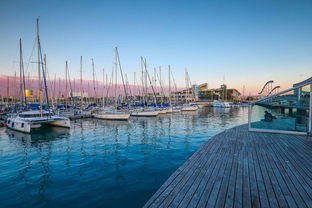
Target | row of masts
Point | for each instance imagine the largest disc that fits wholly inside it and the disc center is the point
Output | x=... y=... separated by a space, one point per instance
x=66 y=90
x=146 y=92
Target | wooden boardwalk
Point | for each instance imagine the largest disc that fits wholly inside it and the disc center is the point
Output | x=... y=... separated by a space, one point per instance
x=238 y=168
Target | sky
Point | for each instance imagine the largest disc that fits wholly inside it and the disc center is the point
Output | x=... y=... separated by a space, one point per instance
x=242 y=42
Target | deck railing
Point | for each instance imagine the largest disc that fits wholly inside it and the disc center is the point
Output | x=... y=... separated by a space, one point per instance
x=289 y=112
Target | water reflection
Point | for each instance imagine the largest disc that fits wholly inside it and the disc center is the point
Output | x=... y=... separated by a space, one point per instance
x=43 y=135
x=105 y=162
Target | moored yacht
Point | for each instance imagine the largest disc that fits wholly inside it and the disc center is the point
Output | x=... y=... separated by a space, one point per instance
x=112 y=115
x=176 y=109
x=222 y=104
x=145 y=112
x=188 y=107
x=29 y=120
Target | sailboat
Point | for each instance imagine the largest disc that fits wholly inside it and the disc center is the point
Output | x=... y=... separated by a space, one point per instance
x=145 y=111
x=222 y=103
x=188 y=106
x=28 y=120
x=114 y=113
x=176 y=107
x=162 y=109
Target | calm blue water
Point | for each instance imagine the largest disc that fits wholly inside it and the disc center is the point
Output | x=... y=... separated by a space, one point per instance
x=103 y=163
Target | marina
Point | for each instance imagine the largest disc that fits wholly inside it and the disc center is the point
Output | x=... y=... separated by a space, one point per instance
x=155 y=104
x=111 y=162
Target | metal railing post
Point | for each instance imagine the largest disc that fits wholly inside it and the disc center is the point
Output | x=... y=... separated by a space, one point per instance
x=310 y=112
x=249 y=116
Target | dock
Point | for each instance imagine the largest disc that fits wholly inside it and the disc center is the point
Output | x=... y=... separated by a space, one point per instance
x=238 y=168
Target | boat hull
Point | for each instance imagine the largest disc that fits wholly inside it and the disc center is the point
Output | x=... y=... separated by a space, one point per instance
x=145 y=114
x=19 y=125
x=112 y=116
x=60 y=123
x=190 y=108
x=26 y=127
x=163 y=111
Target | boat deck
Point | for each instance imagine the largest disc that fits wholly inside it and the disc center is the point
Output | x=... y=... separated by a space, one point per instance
x=237 y=168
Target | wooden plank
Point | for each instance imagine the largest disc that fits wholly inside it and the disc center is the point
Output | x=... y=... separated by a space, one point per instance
x=246 y=180
x=238 y=197
x=220 y=175
x=189 y=192
x=296 y=194
x=178 y=193
x=207 y=188
x=207 y=178
x=225 y=181
x=276 y=179
x=238 y=168
x=292 y=195
x=265 y=177
x=295 y=163
x=260 y=183
x=173 y=177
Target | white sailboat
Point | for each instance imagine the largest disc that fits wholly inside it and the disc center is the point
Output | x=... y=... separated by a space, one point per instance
x=188 y=106
x=28 y=120
x=145 y=111
x=176 y=108
x=113 y=113
x=220 y=104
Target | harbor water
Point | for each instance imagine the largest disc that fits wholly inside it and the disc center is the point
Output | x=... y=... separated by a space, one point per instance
x=101 y=163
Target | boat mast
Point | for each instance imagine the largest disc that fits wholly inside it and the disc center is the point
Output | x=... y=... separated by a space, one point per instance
x=44 y=75
x=143 y=88
x=175 y=88
x=134 y=87
x=54 y=93
x=66 y=88
x=22 y=77
x=44 y=69
x=169 y=85
x=150 y=81
x=8 y=90
x=70 y=87
x=40 y=62
x=81 y=93
x=39 y=71
x=186 y=84
x=115 y=80
x=161 y=87
x=15 y=89
x=122 y=78
x=93 y=81
x=103 y=86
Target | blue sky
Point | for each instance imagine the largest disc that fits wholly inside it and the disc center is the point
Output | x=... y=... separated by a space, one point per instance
x=248 y=42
